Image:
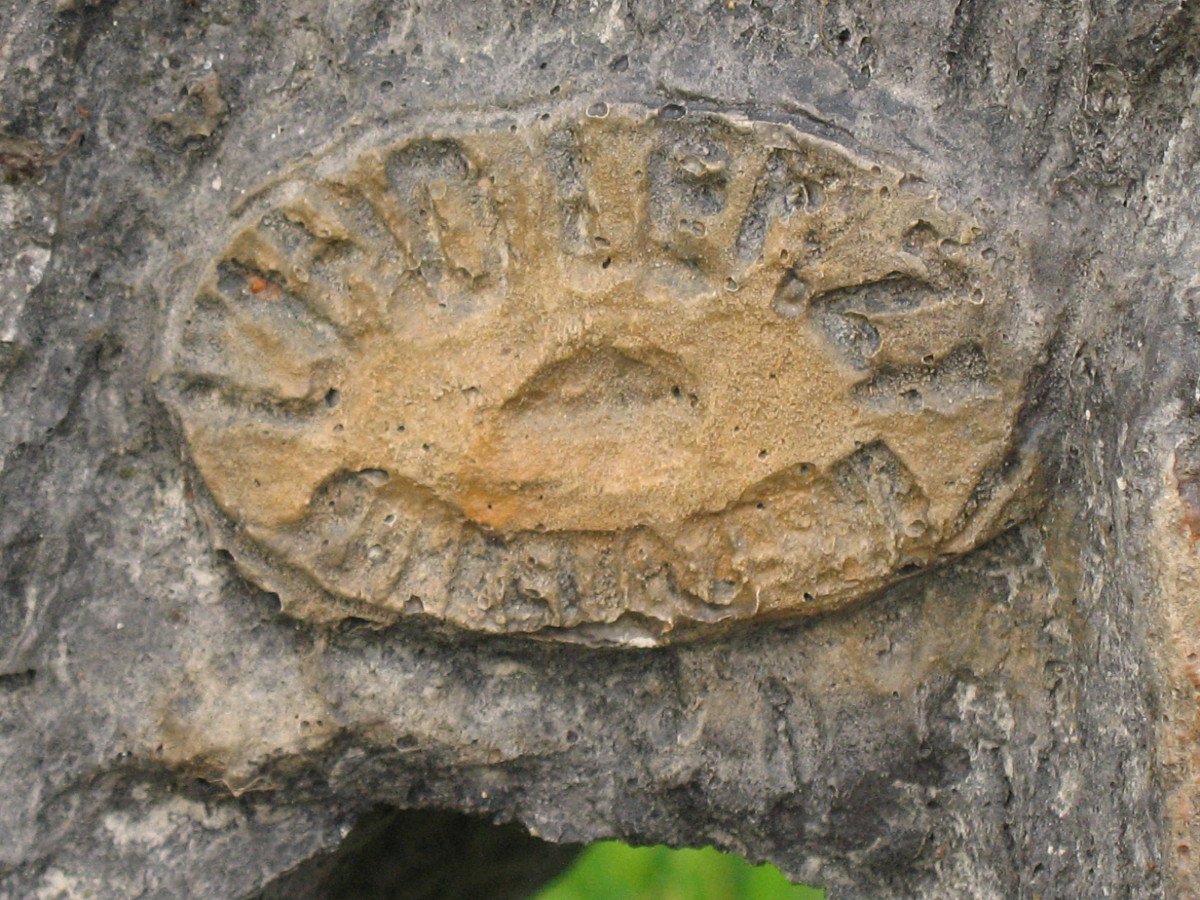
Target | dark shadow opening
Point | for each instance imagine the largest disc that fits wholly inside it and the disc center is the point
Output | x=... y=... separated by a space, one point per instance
x=425 y=855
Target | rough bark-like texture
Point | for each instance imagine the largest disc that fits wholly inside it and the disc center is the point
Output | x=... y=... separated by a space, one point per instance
x=1021 y=721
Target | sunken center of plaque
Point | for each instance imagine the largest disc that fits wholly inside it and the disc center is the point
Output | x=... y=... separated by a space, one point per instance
x=599 y=402
x=675 y=367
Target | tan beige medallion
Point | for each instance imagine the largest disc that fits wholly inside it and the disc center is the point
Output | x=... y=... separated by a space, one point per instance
x=609 y=373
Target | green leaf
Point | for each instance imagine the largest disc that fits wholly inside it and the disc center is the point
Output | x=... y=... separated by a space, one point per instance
x=610 y=870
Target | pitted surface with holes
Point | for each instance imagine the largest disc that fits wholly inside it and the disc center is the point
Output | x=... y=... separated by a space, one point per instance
x=615 y=374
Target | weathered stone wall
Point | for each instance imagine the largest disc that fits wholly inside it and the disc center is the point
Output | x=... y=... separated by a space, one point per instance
x=1014 y=716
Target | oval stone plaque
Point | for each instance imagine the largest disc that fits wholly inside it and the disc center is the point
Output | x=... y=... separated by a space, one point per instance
x=606 y=374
